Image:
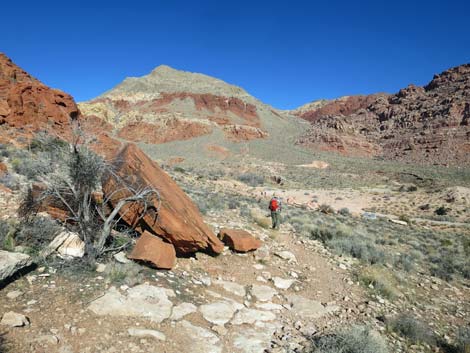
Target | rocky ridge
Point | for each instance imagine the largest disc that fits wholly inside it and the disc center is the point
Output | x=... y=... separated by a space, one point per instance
x=429 y=124
x=171 y=105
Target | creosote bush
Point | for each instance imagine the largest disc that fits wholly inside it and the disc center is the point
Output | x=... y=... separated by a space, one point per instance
x=357 y=339
x=414 y=330
x=251 y=179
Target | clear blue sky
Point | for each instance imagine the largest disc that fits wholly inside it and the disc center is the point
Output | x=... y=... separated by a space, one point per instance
x=286 y=53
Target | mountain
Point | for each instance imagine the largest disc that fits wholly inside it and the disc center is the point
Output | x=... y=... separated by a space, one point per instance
x=27 y=105
x=429 y=124
x=171 y=105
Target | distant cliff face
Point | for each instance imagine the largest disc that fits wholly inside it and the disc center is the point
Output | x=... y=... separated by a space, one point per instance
x=170 y=105
x=29 y=105
x=428 y=124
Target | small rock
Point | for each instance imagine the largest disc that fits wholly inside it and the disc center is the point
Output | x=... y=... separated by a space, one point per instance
x=220 y=330
x=286 y=255
x=14 y=319
x=100 y=268
x=263 y=293
x=14 y=294
x=282 y=283
x=138 y=332
x=121 y=257
x=48 y=339
x=182 y=310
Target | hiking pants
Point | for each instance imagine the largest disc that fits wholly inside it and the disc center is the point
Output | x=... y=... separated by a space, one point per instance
x=276 y=218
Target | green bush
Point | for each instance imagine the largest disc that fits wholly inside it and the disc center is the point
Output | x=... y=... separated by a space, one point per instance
x=463 y=340
x=36 y=233
x=359 y=248
x=357 y=339
x=251 y=179
x=414 y=330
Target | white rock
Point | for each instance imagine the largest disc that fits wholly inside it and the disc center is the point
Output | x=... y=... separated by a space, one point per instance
x=250 y=316
x=286 y=255
x=269 y=306
x=181 y=310
x=200 y=339
x=14 y=294
x=282 y=283
x=254 y=340
x=263 y=293
x=67 y=244
x=219 y=313
x=232 y=287
x=14 y=319
x=48 y=339
x=258 y=266
x=100 y=268
x=143 y=301
x=121 y=257
x=11 y=262
x=143 y=333
x=306 y=308
x=261 y=279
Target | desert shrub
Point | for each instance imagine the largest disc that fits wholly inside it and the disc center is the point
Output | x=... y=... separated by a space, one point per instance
x=43 y=142
x=380 y=279
x=251 y=179
x=129 y=274
x=442 y=211
x=357 y=339
x=404 y=218
x=358 y=248
x=406 y=262
x=36 y=233
x=414 y=330
x=32 y=166
x=326 y=209
x=462 y=343
x=260 y=218
x=444 y=265
x=344 y=211
x=7 y=231
x=10 y=181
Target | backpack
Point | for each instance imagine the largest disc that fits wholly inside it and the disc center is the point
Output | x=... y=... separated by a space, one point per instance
x=274 y=205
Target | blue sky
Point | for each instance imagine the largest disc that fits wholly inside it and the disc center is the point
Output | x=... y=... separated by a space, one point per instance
x=286 y=53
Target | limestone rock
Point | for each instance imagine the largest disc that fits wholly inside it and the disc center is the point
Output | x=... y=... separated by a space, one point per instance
x=181 y=310
x=152 y=249
x=263 y=293
x=282 y=283
x=143 y=301
x=178 y=220
x=138 y=332
x=199 y=339
x=121 y=257
x=286 y=255
x=254 y=339
x=11 y=262
x=306 y=308
x=232 y=287
x=66 y=243
x=13 y=319
x=250 y=316
x=239 y=240
x=219 y=313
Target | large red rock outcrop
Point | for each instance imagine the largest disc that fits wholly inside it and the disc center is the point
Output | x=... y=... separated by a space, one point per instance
x=28 y=104
x=429 y=125
x=152 y=249
x=178 y=220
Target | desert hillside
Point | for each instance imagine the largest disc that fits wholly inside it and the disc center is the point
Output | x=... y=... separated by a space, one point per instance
x=426 y=125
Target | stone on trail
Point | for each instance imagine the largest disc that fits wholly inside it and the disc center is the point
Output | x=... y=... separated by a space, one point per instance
x=282 y=283
x=14 y=294
x=232 y=287
x=286 y=255
x=239 y=240
x=263 y=293
x=11 y=262
x=178 y=221
x=143 y=301
x=14 y=319
x=250 y=316
x=152 y=249
x=269 y=306
x=181 y=310
x=254 y=339
x=197 y=338
x=143 y=333
x=306 y=308
x=219 y=313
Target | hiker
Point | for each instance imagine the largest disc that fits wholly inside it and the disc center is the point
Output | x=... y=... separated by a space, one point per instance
x=275 y=208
